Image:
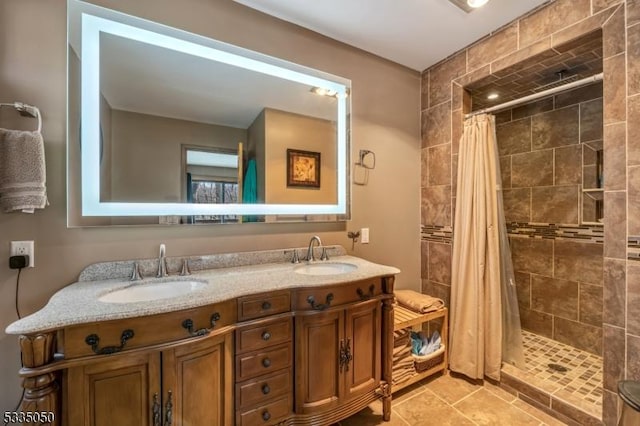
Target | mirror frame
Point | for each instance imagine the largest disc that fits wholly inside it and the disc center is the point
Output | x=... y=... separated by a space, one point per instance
x=144 y=31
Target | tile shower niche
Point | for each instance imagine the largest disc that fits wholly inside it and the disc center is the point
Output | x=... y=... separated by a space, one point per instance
x=592 y=183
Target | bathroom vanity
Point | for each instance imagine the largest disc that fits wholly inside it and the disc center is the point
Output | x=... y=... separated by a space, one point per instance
x=246 y=339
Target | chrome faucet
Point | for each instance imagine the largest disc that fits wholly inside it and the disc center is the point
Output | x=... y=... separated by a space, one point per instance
x=310 y=256
x=162 y=264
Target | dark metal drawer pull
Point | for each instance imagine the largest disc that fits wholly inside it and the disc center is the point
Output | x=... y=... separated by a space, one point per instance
x=266 y=363
x=266 y=336
x=266 y=306
x=320 y=306
x=156 y=410
x=367 y=296
x=168 y=420
x=188 y=325
x=266 y=416
x=266 y=389
x=93 y=340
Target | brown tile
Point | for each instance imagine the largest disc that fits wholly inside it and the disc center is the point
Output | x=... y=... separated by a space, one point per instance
x=615 y=222
x=557 y=15
x=440 y=262
x=423 y=128
x=497 y=45
x=568 y=165
x=614 y=295
x=514 y=137
x=591 y=120
x=457 y=127
x=452 y=388
x=633 y=298
x=633 y=59
x=435 y=289
x=424 y=259
x=485 y=408
x=532 y=108
x=633 y=360
x=572 y=412
x=532 y=169
x=523 y=289
x=505 y=171
x=436 y=205
x=424 y=90
x=581 y=94
x=424 y=167
x=633 y=12
x=578 y=335
x=554 y=296
x=599 y=5
x=610 y=407
x=614 y=90
x=413 y=411
x=633 y=123
x=581 y=29
x=613 y=357
x=440 y=77
x=546 y=419
x=438 y=125
x=537 y=322
x=555 y=204
x=578 y=261
x=439 y=165
x=591 y=304
x=555 y=128
x=482 y=73
x=615 y=156
x=526 y=389
x=531 y=255
x=504 y=393
x=562 y=418
x=523 y=58
x=613 y=34
x=454 y=175
x=457 y=93
x=634 y=200
x=517 y=204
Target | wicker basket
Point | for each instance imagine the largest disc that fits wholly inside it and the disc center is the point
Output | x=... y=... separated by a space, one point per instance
x=426 y=362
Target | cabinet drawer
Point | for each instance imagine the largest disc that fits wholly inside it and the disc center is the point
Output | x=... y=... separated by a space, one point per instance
x=267 y=414
x=262 y=305
x=322 y=298
x=264 y=389
x=263 y=335
x=147 y=330
x=258 y=363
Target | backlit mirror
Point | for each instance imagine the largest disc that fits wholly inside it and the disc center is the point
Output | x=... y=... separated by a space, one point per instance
x=168 y=127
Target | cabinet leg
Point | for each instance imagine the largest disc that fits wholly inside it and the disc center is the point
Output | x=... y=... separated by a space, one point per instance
x=386 y=408
x=41 y=392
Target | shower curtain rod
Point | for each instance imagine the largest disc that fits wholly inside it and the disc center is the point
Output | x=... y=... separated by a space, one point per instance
x=533 y=97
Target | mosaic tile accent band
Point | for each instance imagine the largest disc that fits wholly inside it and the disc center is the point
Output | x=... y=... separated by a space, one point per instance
x=437 y=233
x=633 y=251
x=585 y=233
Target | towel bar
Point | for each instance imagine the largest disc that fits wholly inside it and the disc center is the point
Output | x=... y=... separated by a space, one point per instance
x=25 y=110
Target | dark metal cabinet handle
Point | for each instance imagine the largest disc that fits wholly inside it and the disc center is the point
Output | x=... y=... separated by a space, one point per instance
x=266 y=306
x=168 y=419
x=366 y=296
x=93 y=340
x=188 y=325
x=266 y=363
x=344 y=356
x=157 y=415
x=266 y=389
x=266 y=336
x=266 y=416
x=320 y=306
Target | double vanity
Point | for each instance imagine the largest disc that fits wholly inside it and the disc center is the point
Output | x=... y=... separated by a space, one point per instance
x=244 y=338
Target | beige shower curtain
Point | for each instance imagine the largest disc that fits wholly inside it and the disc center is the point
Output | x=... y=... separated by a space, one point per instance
x=485 y=324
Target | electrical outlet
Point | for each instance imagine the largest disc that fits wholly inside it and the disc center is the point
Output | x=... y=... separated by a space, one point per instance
x=21 y=248
x=364 y=233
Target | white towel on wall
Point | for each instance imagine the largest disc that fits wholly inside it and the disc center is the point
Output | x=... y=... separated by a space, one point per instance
x=22 y=171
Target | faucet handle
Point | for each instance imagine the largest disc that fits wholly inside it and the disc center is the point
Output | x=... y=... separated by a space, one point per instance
x=324 y=255
x=135 y=274
x=185 y=267
x=295 y=258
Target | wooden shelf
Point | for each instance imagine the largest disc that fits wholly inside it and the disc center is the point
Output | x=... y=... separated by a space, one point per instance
x=406 y=318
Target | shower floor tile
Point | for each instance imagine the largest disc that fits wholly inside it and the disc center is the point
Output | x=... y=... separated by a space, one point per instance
x=581 y=383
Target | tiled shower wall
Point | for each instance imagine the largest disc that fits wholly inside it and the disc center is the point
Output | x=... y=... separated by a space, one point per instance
x=527 y=41
x=559 y=278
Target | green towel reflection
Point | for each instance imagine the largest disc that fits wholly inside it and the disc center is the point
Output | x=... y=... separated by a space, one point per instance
x=250 y=188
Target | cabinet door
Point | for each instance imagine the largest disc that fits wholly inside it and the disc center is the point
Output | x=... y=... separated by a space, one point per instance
x=117 y=391
x=363 y=322
x=319 y=384
x=199 y=377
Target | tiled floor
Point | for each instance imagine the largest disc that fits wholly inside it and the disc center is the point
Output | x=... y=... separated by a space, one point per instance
x=447 y=400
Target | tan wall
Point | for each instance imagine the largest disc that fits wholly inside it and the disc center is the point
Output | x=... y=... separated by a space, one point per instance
x=523 y=43
x=256 y=150
x=385 y=119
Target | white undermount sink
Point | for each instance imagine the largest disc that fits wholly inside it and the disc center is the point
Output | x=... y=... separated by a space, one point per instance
x=145 y=292
x=334 y=268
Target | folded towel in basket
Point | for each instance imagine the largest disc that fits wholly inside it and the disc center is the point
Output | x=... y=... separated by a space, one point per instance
x=22 y=171
x=417 y=302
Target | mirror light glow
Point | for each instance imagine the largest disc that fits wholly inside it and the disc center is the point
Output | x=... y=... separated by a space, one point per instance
x=92 y=27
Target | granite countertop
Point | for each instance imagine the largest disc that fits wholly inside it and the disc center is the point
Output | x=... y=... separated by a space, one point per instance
x=78 y=303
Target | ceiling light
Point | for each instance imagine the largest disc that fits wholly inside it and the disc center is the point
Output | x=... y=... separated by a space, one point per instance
x=477 y=3
x=324 y=92
x=492 y=96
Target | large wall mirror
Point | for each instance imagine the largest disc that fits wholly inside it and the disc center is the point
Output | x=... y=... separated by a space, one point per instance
x=168 y=127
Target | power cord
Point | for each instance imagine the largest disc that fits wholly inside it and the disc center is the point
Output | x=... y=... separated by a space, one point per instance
x=17 y=293
x=18 y=262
